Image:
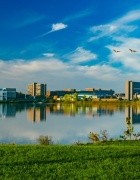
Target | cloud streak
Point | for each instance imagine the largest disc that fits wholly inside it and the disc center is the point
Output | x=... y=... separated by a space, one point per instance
x=79 y=15
x=28 y=20
x=48 y=54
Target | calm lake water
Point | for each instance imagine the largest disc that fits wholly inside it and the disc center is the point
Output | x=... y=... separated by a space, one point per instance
x=66 y=124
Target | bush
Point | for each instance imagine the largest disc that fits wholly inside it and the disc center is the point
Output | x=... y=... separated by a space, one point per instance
x=94 y=137
x=45 y=140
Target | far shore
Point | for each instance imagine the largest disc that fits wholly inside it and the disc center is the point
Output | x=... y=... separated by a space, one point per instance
x=91 y=102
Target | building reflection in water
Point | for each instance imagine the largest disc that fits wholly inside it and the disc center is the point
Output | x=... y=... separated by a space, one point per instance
x=89 y=111
x=36 y=114
x=133 y=113
x=7 y=110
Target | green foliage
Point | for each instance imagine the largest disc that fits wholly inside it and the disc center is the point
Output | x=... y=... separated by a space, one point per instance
x=130 y=128
x=20 y=95
x=75 y=97
x=45 y=140
x=111 y=160
x=129 y=133
x=84 y=98
x=67 y=98
x=79 y=143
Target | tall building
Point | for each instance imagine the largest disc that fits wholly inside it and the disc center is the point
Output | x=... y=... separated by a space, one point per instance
x=131 y=89
x=36 y=89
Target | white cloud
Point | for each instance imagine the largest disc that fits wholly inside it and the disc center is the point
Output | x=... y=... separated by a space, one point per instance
x=59 y=75
x=120 y=26
x=129 y=17
x=129 y=60
x=81 y=55
x=101 y=72
x=56 y=27
x=48 y=54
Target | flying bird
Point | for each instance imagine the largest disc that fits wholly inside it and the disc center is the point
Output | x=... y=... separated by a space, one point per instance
x=132 y=50
x=116 y=51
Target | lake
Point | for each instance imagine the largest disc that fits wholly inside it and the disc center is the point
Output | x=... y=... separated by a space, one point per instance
x=66 y=124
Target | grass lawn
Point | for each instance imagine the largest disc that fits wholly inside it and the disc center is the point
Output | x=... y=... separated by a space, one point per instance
x=111 y=160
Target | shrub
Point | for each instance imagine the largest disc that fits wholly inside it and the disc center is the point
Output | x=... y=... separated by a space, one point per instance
x=45 y=140
x=94 y=137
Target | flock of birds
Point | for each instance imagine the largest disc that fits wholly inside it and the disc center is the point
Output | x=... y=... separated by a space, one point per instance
x=132 y=50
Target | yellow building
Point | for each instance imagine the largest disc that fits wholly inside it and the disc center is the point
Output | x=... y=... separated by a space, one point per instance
x=36 y=89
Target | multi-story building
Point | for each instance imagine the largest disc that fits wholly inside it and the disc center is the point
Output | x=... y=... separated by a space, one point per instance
x=88 y=92
x=131 y=89
x=36 y=89
x=95 y=93
x=60 y=92
x=7 y=93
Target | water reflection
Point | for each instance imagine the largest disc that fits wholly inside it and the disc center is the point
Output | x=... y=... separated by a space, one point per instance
x=7 y=110
x=36 y=113
x=133 y=113
x=65 y=123
x=89 y=111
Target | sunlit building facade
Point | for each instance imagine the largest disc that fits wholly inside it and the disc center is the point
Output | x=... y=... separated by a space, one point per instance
x=36 y=89
x=131 y=89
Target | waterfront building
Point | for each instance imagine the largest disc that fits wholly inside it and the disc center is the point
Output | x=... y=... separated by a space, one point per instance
x=59 y=93
x=132 y=89
x=36 y=89
x=7 y=93
x=88 y=92
x=69 y=90
x=95 y=93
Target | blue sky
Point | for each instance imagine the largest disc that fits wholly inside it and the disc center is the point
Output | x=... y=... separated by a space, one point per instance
x=69 y=44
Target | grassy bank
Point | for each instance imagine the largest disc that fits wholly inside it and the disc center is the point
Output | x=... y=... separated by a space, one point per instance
x=116 y=160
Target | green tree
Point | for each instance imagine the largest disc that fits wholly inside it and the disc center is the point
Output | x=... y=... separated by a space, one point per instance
x=67 y=98
x=75 y=97
x=130 y=128
x=129 y=132
x=84 y=98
